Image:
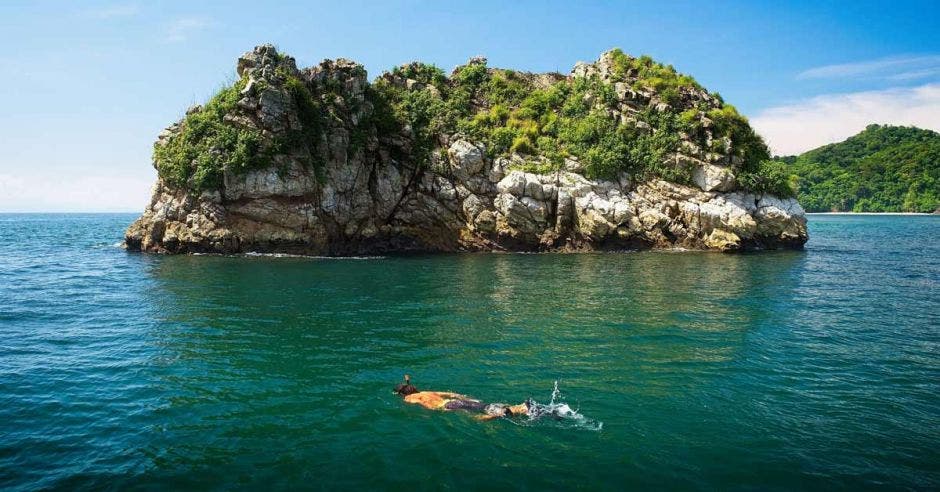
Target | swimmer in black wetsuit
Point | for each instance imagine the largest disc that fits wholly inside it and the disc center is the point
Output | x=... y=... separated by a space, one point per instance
x=447 y=401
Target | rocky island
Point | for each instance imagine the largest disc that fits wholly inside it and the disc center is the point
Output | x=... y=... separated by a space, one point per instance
x=622 y=153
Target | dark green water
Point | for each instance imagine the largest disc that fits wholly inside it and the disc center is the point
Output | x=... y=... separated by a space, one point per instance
x=797 y=370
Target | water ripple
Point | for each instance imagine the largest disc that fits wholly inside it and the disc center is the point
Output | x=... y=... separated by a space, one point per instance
x=779 y=370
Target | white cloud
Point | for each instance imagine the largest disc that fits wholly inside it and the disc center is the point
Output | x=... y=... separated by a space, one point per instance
x=114 y=11
x=894 y=68
x=181 y=29
x=805 y=125
x=55 y=193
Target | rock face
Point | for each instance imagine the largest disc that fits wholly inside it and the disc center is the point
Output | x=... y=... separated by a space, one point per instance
x=366 y=197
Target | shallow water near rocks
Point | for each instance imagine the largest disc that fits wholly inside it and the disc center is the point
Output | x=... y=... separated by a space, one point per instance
x=817 y=369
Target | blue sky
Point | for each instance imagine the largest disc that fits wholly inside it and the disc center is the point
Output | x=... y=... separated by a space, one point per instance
x=87 y=86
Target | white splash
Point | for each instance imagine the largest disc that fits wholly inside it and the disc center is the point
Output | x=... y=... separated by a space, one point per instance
x=560 y=413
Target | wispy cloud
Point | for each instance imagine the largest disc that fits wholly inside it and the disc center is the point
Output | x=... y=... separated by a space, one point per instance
x=804 y=125
x=892 y=68
x=916 y=74
x=181 y=29
x=114 y=11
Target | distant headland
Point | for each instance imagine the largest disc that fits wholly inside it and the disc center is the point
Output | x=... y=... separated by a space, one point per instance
x=882 y=169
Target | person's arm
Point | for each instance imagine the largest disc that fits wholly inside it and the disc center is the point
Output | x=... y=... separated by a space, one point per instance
x=485 y=417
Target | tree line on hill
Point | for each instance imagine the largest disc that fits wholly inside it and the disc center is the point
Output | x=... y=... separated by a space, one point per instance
x=882 y=169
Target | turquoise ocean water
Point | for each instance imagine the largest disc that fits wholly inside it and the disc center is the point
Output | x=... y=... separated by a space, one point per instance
x=817 y=369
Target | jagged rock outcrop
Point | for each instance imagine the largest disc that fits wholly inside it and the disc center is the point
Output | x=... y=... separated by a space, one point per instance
x=351 y=186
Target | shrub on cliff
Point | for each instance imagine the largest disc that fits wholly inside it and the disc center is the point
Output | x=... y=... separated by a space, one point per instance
x=205 y=144
x=769 y=177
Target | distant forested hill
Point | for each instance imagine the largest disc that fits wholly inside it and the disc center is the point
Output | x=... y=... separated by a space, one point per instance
x=882 y=169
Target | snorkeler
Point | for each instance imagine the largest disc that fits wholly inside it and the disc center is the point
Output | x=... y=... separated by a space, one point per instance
x=447 y=401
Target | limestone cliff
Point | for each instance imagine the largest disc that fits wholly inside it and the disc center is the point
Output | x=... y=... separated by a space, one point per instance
x=621 y=153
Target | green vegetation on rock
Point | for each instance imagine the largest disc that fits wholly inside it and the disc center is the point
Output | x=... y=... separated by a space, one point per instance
x=550 y=117
x=769 y=177
x=882 y=169
x=206 y=144
x=620 y=115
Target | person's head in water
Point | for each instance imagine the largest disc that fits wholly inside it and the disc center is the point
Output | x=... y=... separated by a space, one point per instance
x=406 y=388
